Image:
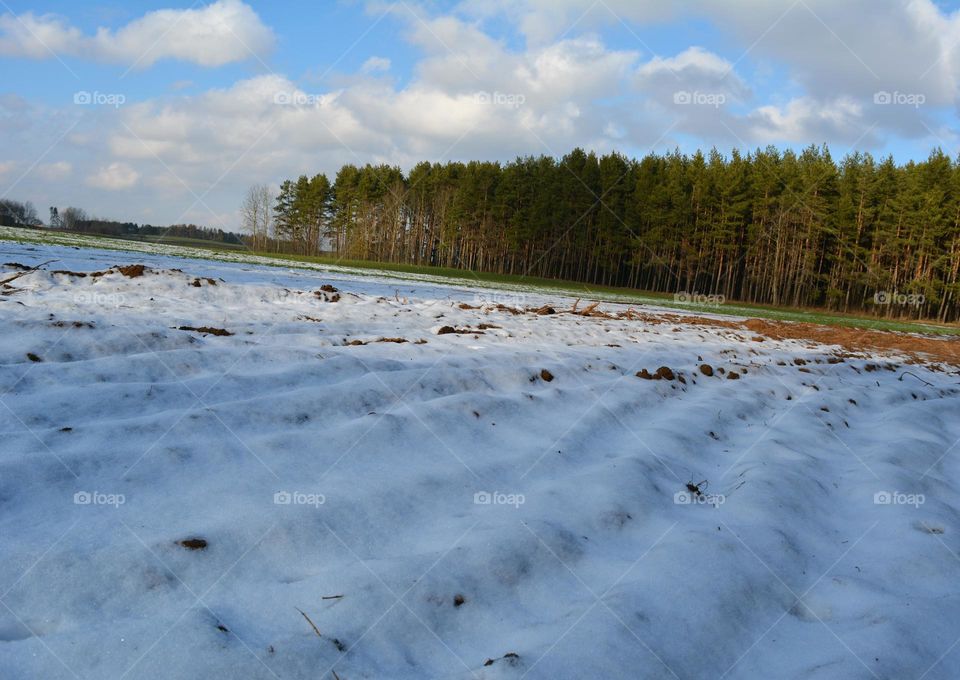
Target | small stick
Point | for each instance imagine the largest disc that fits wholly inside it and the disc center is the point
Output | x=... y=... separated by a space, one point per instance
x=331 y=597
x=335 y=676
x=915 y=376
x=24 y=273
x=312 y=624
x=574 y=310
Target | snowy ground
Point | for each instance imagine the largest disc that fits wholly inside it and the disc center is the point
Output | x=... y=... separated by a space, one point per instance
x=499 y=504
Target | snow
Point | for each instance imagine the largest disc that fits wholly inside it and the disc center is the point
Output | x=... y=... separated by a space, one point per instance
x=401 y=475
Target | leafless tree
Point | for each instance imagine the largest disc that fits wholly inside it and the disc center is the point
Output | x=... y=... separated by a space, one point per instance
x=257 y=214
x=71 y=216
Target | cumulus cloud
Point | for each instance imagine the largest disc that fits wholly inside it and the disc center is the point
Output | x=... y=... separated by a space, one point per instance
x=694 y=76
x=839 y=64
x=222 y=32
x=806 y=120
x=535 y=100
x=114 y=177
x=853 y=48
x=833 y=49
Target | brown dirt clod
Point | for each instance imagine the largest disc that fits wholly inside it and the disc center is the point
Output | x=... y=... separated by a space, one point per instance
x=546 y=375
x=706 y=369
x=664 y=373
x=208 y=330
x=132 y=271
x=446 y=330
x=193 y=543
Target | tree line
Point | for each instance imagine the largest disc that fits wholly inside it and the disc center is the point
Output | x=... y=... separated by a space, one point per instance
x=769 y=226
x=17 y=214
x=126 y=229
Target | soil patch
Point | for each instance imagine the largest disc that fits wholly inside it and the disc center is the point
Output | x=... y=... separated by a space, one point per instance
x=208 y=330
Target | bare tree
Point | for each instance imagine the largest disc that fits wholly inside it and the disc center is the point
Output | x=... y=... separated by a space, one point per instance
x=16 y=214
x=257 y=214
x=71 y=216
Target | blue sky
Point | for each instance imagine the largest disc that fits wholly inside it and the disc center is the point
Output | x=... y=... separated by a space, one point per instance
x=166 y=111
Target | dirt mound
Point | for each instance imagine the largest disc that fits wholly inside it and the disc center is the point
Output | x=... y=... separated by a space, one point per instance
x=923 y=348
x=946 y=349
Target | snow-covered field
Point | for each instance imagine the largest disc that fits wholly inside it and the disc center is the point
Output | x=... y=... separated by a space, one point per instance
x=301 y=499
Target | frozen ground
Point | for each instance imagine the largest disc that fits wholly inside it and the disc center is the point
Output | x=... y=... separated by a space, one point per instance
x=499 y=504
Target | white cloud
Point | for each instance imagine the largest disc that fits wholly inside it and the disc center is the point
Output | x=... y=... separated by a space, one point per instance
x=114 y=177
x=693 y=71
x=694 y=62
x=809 y=121
x=6 y=167
x=536 y=101
x=375 y=64
x=222 y=32
x=850 y=48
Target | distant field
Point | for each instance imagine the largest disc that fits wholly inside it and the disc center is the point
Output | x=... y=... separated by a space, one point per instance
x=197 y=249
x=180 y=241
